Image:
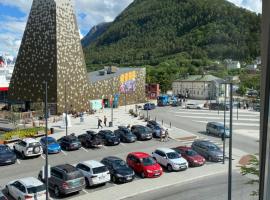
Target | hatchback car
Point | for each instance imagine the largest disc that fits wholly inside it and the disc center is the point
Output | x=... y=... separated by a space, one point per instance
x=170 y=159
x=149 y=106
x=125 y=134
x=194 y=106
x=144 y=164
x=26 y=188
x=194 y=159
x=109 y=138
x=208 y=150
x=119 y=170
x=65 y=179
x=95 y=173
x=217 y=129
x=69 y=143
x=90 y=140
x=53 y=146
x=156 y=128
x=142 y=132
x=7 y=156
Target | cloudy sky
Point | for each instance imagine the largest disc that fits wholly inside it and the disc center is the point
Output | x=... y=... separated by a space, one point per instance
x=14 y=13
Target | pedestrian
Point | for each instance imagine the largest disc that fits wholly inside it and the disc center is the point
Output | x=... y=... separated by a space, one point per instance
x=162 y=136
x=166 y=135
x=105 y=120
x=99 y=123
x=247 y=106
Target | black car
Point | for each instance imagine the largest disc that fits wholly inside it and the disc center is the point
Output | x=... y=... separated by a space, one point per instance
x=109 y=138
x=156 y=128
x=7 y=156
x=2 y=196
x=70 y=142
x=125 y=134
x=119 y=170
x=142 y=132
x=90 y=140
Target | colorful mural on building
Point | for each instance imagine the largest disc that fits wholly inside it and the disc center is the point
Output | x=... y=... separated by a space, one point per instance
x=128 y=82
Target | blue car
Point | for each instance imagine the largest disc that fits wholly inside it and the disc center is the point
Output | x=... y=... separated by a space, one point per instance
x=149 y=106
x=53 y=146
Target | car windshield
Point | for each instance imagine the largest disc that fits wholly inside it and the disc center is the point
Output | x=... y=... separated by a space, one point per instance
x=191 y=152
x=213 y=147
x=99 y=170
x=148 y=161
x=74 y=175
x=4 y=149
x=50 y=140
x=33 y=144
x=73 y=140
x=119 y=164
x=173 y=155
x=36 y=189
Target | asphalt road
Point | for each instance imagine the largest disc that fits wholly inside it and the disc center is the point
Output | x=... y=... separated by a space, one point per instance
x=194 y=121
x=210 y=188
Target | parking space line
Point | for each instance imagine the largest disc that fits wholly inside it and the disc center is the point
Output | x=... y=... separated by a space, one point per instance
x=105 y=147
x=123 y=144
x=85 y=191
x=84 y=149
x=140 y=142
x=42 y=156
x=64 y=153
x=18 y=161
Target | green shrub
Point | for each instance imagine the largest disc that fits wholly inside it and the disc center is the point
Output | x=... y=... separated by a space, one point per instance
x=22 y=133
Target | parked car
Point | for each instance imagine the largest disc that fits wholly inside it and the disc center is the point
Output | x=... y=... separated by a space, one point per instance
x=144 y=164
x=170 y=159
x=194 y=106
x=2 y=196
x=218 y=106
x=217 y=129
x=142 y=132
x=26 y=189
x=156 y=128
x=28 y=147
x=194 y=159
x=95 y=173
x=7 y=156
x=65 y=179
x=90 y=140
x=149 y=106
x=125 y=134
x=53 y=146
x=109 y=138
x=69 y=142
x=120 y=171
x=208 y=150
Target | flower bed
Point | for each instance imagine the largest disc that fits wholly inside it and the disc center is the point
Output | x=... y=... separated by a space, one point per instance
x=22 y=133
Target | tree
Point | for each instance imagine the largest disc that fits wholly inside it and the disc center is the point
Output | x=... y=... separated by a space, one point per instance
x=242 y=90
x=252 y=169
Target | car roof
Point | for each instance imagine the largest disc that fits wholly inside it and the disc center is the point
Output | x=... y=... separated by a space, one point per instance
x=165 y=150
x=66 y=167
x=92 y=163
x=140 y=154
x=216 y=123
x=30 y=181
x=29 y=140
x=112 y=158
x=137 y=126
x=205 y=142
x=183 y=147
x=44 y=138
x=106 y=131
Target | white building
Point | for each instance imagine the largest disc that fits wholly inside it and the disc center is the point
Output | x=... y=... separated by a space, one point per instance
x=252 y=67
x=198 y=87
x=230 y=64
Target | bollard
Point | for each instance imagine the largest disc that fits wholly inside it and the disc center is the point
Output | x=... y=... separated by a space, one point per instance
x=162 y=122
x=170 y=124
x=155 y=119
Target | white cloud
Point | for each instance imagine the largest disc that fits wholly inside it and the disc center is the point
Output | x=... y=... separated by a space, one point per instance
x=253 y=5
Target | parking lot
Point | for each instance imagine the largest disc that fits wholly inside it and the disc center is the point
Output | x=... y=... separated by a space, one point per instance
x=192 y=121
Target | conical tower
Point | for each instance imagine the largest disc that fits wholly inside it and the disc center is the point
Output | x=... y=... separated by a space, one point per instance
x=51 y=51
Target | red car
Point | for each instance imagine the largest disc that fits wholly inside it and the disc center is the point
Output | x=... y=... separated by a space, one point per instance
x=144 y=164
x=193 y=158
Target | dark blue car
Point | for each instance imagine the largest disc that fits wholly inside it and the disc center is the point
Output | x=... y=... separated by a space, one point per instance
x=7 y=156
x=53 y=146
x=149 y=106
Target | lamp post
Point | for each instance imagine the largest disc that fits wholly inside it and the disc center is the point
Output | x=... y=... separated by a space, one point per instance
x=230 y=147
x=224 y=138
x=66 y=119
x=112 y=104
x=46 y=138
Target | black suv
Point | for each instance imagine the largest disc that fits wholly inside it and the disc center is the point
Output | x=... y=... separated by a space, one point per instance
x=142 y=132
x=90 y=140
x=125 y=134
x=119 y=170
x=109 y=138
x=69 y=142
x=7 y=156
x=65 y=179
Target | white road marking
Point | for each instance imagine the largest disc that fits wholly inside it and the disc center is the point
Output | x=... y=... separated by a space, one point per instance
x=85 y=191
x=84 y=149
x=216 y=113
x=140 y=142
x=123 y=144
x=217 y=117
x=64 y=153
x=105 y=147
x=42 y=156
x=18 y=161
x=234 y=123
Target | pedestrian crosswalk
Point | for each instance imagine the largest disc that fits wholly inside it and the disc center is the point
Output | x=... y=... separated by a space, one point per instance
x=189 y=142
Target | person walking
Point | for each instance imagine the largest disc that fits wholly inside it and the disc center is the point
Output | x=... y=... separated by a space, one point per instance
x=105 y=120
x=99 y=123
x=166 y=135
x=161 y=136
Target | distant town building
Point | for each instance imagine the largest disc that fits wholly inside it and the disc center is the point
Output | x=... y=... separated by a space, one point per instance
x=252 y=67
x=230 y=64
x=152 y=91
x=198 y=87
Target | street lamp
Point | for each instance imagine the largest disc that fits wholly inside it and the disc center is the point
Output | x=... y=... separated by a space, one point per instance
x=46 y=138
x=66 y=119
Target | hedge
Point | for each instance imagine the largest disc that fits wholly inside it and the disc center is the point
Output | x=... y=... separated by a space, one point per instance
x=23 y=133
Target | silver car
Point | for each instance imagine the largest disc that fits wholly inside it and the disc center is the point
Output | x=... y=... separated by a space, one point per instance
x=208 y=150
x=217 y=129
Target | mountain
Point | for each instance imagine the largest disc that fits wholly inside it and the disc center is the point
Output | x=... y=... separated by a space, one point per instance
x=152 y=31
x=94 y=33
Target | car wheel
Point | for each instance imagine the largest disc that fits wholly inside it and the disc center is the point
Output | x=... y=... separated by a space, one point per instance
x=142 y=175
x=208 y=132
x=210 y=158
x=169 y=167
x=23 y=155
x=87 y=182
x=114 y=179
x=56 y=191
x=7 y=190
